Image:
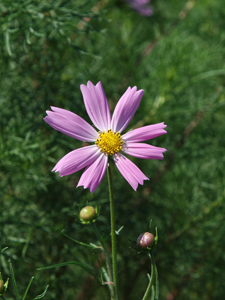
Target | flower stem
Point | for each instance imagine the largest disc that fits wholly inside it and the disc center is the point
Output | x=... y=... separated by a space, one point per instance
x=113 y=234
x=153 y=273
x=107 y=260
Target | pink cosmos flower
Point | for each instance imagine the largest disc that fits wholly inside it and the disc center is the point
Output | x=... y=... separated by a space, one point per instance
x=141 y=6
x=108 y=141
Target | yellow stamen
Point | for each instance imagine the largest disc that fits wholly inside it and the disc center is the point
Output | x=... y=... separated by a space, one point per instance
x=109 y=142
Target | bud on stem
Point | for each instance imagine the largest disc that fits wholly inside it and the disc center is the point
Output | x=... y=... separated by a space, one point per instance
x=146 y=240
x=88 y=213
x=3 y=286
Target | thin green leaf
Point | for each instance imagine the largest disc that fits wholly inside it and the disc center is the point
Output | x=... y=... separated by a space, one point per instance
x=150 y=224
x=35 y=32
x=27 y=289
x=28 y=41
x=3 y=250
x=82 y=51
x=7 y=43
x=210 y=73
x=12 y=274
x=72 y=263
x=118 y=231
x=83 y=244
x=41 y=295
x=95 y=246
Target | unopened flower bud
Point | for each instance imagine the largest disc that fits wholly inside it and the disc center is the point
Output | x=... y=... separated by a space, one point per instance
x=88 y=213
x=3 y=286
x=146 y=240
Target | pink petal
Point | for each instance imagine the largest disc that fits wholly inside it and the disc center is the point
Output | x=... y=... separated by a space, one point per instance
x=93 y=174
x=142 y=150
x=141 y=6
x=129 y=171
x=70 y=124
x=144 y=133
x=96 y=105
x=77 y=160
x=126 y=108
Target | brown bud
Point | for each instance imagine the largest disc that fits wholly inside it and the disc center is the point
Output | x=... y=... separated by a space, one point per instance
x=146 y=240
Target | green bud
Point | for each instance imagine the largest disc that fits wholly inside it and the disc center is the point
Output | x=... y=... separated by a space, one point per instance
x=146 y=240
x=88 y=213
x=3 y=286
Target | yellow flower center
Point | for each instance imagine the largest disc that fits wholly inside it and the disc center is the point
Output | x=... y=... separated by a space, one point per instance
x=109 y=142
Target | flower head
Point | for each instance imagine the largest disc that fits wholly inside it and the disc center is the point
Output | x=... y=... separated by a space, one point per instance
x=108 y=141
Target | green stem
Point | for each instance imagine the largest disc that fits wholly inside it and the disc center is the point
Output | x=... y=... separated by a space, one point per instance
x=153 y=269
x=113 y=234
x=107 y=260
x=156 y=280
x=3 y=297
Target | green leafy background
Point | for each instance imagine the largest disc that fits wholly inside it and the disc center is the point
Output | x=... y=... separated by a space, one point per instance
x=48 y=48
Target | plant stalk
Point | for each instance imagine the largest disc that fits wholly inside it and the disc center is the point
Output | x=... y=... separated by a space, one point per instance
x=113 y=234
x=107 y=260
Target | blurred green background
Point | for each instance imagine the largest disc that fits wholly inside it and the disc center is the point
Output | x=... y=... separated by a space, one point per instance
x=48 y=48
